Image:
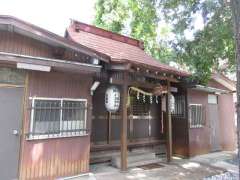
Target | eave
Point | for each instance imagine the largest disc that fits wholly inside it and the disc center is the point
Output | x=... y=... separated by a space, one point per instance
x=13 y=24
x=55 y=64
x=122 y=64
x=210 y=89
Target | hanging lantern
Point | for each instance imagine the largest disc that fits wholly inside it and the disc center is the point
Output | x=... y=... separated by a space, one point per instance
x=112 y=99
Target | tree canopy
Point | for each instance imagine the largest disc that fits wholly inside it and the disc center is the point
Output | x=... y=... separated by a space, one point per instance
x=166 y=25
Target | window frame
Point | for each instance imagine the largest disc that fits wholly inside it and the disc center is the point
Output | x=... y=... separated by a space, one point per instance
x=179 y=99
x=203 y=117
x=56 y=135
x=215 y=98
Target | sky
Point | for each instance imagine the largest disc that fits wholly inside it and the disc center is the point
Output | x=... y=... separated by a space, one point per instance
x=53 y=15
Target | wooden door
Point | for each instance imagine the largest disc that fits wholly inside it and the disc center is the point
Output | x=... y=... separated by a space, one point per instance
x=213 y=116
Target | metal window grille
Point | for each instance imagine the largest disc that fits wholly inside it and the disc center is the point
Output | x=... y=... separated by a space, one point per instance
x=58 y=117
x=139 y=108
x=196 y=116
x=179 y=109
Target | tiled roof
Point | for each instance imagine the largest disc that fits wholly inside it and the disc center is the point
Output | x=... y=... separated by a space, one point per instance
x=119 y=48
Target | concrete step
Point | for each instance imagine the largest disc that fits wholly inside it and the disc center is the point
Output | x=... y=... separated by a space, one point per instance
x=142 y=163
x=136 y=159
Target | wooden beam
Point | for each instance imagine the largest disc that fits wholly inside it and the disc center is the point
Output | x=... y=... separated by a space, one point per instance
x=23 y=127
x=154 y=75
x=124 y=97
x=56 y=64
x=119 y=67
x=169 y=124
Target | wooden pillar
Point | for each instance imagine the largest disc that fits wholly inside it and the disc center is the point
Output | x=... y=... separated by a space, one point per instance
x=109 y=127
x=169 y=124
x=124 y=97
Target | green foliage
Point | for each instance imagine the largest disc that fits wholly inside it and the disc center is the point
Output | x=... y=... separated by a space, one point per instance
x=144 y=22
x=111 y=14
x=211 y=49
x=136 y=18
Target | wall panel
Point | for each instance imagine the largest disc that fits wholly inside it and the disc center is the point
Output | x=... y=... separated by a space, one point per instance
x=51 y=158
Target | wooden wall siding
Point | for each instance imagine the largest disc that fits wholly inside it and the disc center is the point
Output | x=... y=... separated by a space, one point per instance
x=199 y=138
x=140 y=127
x=180 y=130
x=213 y=83
x=180 y=136
x=48 y=159
x=51 y=158
x=100 y=119
x=228 y=135
x=18 y=44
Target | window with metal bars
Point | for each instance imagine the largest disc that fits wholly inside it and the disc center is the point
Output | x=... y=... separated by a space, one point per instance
x=139 y=108
x=179 y=109
x=58 y=117
x=196 y=115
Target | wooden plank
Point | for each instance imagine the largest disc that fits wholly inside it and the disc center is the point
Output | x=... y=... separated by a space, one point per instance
x=155 y=76
x=21 y=171
x=124 y=97
x=169 y=124
x=60 y=65
x=119 y=67
x=133 y=144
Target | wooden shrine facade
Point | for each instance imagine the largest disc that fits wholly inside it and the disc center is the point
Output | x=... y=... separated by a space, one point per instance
x=142 y=120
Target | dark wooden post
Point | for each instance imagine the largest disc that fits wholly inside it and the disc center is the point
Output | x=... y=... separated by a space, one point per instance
x=169 y=124
x=124 y=97
x=109 y=127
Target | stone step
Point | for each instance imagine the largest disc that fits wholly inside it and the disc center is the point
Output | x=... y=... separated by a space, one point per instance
x=142 y=163
x=136 y=159
x=136 y=156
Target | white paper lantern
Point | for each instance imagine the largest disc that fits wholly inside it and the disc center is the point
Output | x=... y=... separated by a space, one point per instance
x=112 y=99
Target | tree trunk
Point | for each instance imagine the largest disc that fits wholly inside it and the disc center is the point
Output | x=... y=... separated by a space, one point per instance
x=235 y=5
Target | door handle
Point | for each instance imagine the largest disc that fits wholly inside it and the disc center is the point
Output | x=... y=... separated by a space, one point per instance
x=15 y=132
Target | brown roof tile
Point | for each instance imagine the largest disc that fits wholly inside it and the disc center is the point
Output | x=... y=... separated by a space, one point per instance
x=118 y=48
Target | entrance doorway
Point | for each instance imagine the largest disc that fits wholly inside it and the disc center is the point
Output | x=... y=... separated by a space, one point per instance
x=214 y=122
x=10 y=119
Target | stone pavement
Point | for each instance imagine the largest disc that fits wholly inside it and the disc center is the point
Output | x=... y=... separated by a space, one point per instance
x=195 y=168
x=223 y=159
